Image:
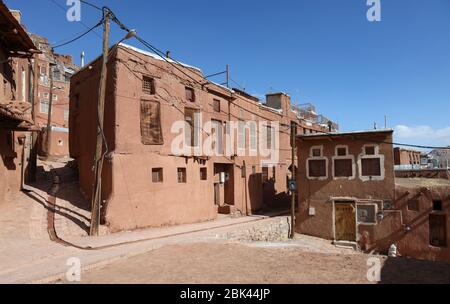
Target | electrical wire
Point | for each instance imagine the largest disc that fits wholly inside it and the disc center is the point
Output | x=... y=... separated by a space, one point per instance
x=79 y=36
x=161 y=54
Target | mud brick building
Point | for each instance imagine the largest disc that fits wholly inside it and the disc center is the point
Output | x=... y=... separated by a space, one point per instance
x=348 y=193
x=407 y=157
x=16 y=123
x=62 y=68
x=145 y=183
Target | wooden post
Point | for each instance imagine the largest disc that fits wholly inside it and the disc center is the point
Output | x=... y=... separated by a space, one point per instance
x=34 y=70
x=293 y=178
x=98 y=167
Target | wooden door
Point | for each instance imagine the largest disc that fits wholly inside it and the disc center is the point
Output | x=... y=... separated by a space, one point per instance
x=345 y=222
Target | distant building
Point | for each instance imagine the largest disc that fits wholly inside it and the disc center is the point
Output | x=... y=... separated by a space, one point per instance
x=348 y=194
x=63 y=68
x=441 y=158
x=407 y=157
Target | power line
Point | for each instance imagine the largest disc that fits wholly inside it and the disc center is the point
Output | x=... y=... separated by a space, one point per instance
x=161 y=54
x=79 y=36
x=64 y=9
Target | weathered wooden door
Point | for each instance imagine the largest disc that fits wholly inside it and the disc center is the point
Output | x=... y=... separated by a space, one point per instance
x=345 y=222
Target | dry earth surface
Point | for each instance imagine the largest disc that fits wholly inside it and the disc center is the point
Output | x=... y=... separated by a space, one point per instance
x=234 y=263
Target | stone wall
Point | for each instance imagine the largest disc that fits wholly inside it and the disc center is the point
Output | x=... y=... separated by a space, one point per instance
x=272 y=230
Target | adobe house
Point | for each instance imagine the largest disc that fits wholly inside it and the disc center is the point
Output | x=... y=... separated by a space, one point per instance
x=345 y=180
x=406 y=157
x=348 y=193
x=16 y=123
x=145 y=183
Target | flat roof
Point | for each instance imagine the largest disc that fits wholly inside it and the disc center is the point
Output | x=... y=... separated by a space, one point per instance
x=341 y=134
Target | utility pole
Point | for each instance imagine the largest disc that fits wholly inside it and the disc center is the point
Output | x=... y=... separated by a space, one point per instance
x=98 y=167
x=50 y=105
x=228 y=77
x=34 y=70
x=293 y=186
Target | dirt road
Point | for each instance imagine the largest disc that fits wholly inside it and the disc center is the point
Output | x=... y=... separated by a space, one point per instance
x=236 y=263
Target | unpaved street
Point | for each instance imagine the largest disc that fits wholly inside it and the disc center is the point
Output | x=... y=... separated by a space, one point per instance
x=237 y=263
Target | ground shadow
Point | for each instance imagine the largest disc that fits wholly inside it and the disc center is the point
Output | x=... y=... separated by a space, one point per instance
x=410 y=271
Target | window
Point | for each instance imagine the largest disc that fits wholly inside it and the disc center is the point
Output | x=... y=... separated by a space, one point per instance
x=371 y=167
x=253 y=137
x=369 y=150
x=341 y=151
x=343 y=168
x=151 y=133
x=366 y=214
x=56 y=74
x=148 y=85
x=437 y=205
x=243 y=171
x=317 y=167
x=413 y=205
x=190 y=94
x=181 y=175
x=55 y=97
x=43 y=106
x=269 y=137
x=438 y=230
x=46 y=95
x=216 y=105
x=217 y=138
x=203 y=174
x=157 y=175
x=265 y=174
x=316 y=152
x=242 y=140
x=192 y=128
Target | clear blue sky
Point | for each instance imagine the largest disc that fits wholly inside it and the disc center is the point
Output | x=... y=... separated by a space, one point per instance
x=319 y=51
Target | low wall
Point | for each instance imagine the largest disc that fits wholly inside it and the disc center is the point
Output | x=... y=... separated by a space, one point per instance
x=270 y=230
x=427 y=173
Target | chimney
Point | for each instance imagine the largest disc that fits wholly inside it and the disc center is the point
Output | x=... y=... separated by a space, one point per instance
x=168 y=54
x=82 y=59
x=279 y=101
x=17 y=14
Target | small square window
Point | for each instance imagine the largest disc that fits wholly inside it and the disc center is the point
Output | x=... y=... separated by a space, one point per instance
x=216 y=105
x=437 y=205
x=341 y=151
x=182 y=175
x=316 y=152
x=190 y=94
x=413 y=205
x=370 y=150
x=366 y=214
x=148 y=85
x=157 y=175
x=317 y=168
x=203 y=174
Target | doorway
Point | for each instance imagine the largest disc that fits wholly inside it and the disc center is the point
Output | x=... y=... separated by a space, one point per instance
x=345 y=221
x=224 y=186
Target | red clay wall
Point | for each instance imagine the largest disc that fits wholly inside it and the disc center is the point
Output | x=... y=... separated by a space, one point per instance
x=318 y=194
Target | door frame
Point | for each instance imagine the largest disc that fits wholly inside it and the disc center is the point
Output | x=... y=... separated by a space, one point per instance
x=342 y=201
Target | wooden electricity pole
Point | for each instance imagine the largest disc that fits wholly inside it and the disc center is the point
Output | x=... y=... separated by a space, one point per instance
x=99 y=157
x=293 y=178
